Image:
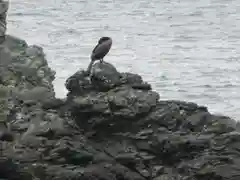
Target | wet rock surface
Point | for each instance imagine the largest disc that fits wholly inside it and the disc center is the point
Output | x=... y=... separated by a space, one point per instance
x=111 y=126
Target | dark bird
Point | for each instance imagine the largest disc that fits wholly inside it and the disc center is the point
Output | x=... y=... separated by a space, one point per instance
x=100 y=51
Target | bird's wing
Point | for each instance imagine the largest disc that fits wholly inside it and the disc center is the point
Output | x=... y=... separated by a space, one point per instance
x=102 y=48
x=95 y=48
x=93 y=52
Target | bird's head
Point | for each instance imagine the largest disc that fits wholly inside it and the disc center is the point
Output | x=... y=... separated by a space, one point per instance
x=103 y=39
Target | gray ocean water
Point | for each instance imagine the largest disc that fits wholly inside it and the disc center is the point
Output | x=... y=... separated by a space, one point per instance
x=188 y=50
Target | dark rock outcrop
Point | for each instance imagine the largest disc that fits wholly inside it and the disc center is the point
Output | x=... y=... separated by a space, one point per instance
x=111 y=126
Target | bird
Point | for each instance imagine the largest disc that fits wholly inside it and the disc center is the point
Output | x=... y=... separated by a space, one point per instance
x=100 y=51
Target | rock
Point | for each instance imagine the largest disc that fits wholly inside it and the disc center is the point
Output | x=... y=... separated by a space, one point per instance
x=104 y=76
x=5 y=56
x=6 y=136
x=78 y=83
x=53 y=104
x=36 y=94
x=111 y=126
x=29 y=66
x=3 y=14
x=12 y=170
x=170 y=133
x=109 y=109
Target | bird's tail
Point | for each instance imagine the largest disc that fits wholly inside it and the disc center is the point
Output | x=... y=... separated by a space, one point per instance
x=90 y=66
x=92 y=57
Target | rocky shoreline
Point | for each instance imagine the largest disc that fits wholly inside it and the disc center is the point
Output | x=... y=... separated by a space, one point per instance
x=111 y=126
